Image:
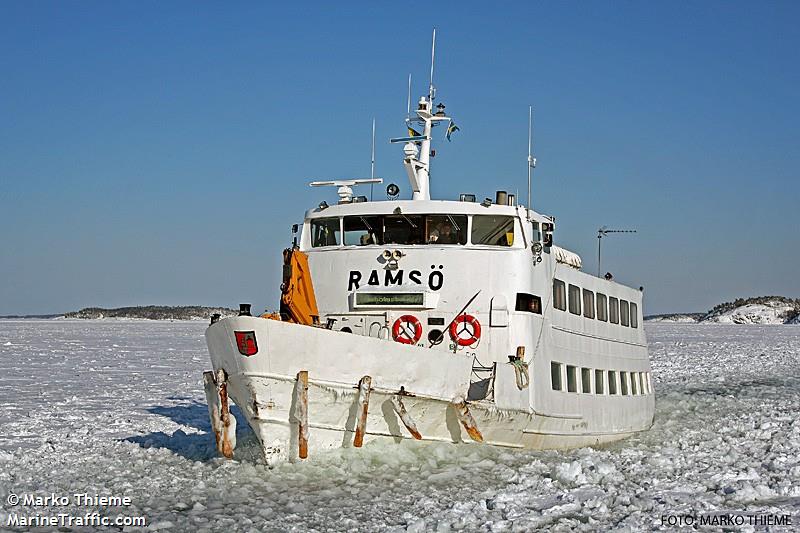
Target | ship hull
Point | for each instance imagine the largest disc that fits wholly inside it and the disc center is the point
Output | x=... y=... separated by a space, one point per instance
x=414 y=393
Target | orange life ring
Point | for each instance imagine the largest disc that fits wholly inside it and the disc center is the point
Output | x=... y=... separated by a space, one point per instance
x=400 y=331
x=463 y=324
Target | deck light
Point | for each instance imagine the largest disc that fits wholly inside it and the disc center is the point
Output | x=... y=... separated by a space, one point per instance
x=440 y=109
x=323 y=205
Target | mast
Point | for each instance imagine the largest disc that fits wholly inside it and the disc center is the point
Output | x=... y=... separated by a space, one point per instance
x=417 y=145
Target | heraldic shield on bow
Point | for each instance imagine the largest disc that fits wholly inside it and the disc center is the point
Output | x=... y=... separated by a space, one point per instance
x=246 y=342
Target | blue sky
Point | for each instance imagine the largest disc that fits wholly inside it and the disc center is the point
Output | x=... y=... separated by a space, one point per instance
x=157 y=153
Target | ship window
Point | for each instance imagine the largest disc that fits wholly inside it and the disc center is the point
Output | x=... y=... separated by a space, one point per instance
x=612 y=382
x=613 y=310
x=623 y=383
x=588 y=304
x=555 y=375
x=634 y=315
x=649 y=382
x=574 y=300
x=586 y=380
x=643 y=379
x=536 y=235
x=404 y=229
x=446 y=229
x=528 y=303
x=624 y=312
x=572 y=379
x=559 y=295
x=493 y=230
x=602 y=307
x=634 y=383
x=642 y=384
x=598 y=382
x=363 y=230
x=325 y=232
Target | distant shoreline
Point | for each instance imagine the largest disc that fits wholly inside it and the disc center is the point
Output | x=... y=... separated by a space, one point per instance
x=147 y=312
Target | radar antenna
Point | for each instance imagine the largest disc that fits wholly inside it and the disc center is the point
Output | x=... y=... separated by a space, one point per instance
x=602 y=232
x=345 y=187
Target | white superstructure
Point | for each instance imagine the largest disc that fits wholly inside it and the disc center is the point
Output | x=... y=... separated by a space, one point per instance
x=439 y=320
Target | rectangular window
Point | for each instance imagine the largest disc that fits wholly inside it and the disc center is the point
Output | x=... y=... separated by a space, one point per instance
x=574 y=300
x=588 y=304
x=325 y=232
x=528 y=303
x=404 y=229
x=612 y=382
x=572 y=379
x=634 y=315
x=586 y=380
x=602 y=307
x=598 y=382
x=555 y=375
x=446 y=229
x=493 y=230
x=559 y=295
x=634 y=383
x=363 y=230
x=624 y=312
x=623 y=383
x=613 y=310
x=649 y=382
x=643 y=383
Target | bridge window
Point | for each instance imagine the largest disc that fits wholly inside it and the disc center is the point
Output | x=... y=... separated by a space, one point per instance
x=559 y=295
x=363 y=230
x=588 y=304
x=586 y=380
x=572 y=379
x=612 y=382
x=623 y=383
x=598 y=382
x=404 y=229
x=602 y=307
x=446 y=229
x=634 y=383
x=493 y=230
x=325 y=232
x=624 y=312
x=574 y=300
x=555 y=375
x=613 y=310
x=634 y=315
x=528 y=303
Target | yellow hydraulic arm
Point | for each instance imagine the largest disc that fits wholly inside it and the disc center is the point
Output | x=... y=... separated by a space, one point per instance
x=298 y=303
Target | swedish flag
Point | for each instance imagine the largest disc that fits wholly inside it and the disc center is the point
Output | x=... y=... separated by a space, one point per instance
x=452 y=128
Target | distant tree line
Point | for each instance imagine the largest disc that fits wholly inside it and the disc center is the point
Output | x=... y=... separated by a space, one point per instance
x=719 y=309
x=153 y=312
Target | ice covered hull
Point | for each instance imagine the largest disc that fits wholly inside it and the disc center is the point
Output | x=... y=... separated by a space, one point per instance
x=414 y=393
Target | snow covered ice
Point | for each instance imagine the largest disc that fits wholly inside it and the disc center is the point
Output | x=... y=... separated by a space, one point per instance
x=117 y=408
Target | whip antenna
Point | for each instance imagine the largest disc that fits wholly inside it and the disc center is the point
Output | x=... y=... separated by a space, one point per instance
x=531 y=159
x=372 y=165
x=431 y=89
x=408 y=102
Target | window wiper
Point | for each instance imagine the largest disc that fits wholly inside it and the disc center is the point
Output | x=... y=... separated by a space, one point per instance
x=453 y=223
x=409 y=221
x=364 y=220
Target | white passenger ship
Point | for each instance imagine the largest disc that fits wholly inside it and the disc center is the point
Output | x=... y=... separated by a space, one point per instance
x=438 y=320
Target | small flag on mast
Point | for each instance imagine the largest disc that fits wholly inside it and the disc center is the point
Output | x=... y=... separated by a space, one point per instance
x=413 y=133
x=452 y=128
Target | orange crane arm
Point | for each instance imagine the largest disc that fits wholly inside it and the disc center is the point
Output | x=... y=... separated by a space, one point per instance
x=298 y=303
